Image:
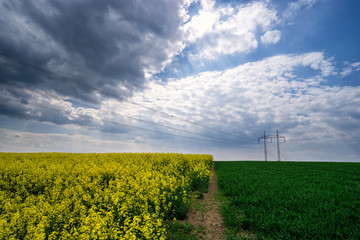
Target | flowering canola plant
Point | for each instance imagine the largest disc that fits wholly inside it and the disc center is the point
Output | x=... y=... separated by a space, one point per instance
x=96 y=196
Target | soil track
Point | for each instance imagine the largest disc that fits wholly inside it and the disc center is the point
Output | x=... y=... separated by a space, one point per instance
x=205 y=213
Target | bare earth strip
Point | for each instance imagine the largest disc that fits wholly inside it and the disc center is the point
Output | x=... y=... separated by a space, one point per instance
x=205 y=213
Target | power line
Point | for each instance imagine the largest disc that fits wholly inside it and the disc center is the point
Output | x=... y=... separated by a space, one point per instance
x=108 y=121
x=95 y=43
x=285 y=149
x=75 y=30
x=283 y=156
x=264 y=139
x=63 y=24
x=272 y=155
x=281 y=153
x=8 y=28
x=66 y=57
x=277 y=136
x=37 y=68
x=270 y=150
x=62 y=77
x=274 y=147
x=123 y=115
x=277 y=140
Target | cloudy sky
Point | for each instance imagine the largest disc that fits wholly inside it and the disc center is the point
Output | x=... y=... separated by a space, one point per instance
x=188 y=76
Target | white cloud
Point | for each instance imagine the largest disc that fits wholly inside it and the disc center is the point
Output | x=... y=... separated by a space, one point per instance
x=270 y=94
x=345 y=72
x=356 y=66
x=317 y=61
x=295 y=7
x=349 y=68
x=225 y=30
x=327 y=67
x=202 y=23
x=271 y=37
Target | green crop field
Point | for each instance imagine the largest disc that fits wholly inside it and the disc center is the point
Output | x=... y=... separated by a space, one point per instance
x=297 y=200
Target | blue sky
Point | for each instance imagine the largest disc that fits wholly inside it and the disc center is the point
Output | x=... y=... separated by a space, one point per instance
x=191 y=76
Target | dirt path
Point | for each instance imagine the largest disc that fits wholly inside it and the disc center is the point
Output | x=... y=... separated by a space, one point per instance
x=205 y=213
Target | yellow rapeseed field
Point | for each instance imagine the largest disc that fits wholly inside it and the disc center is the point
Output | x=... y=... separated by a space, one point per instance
x=96 y=196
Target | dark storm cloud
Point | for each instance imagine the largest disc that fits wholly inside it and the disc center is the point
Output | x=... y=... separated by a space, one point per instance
x=24 y=105
x=13 y=109
x=99 y=43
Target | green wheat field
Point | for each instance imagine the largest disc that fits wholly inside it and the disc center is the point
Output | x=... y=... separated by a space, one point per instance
x=290 y=200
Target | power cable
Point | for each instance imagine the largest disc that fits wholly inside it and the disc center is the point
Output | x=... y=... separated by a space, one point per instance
x=273 y=144
x=272 y=155
x=108 y=121
x=85 y=36
x=27 y=3
x=281 y=153
x=96 y=89
x=285 y=149
x=8 y=28
x=123 y=115
x=61 y=77
x=283 y=157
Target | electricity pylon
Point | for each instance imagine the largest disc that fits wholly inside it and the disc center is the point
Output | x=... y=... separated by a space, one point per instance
x=277 y=139
x=264 y=137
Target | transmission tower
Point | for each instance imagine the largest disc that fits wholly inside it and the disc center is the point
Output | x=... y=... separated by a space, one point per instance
x=277 y=140
x=264 y=138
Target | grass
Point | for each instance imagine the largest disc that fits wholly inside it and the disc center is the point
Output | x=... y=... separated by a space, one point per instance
x=290 y=200
x=183 y=231
x=186 y=230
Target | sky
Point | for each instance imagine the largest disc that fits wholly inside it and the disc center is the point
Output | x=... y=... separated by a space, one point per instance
x=186 y=76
